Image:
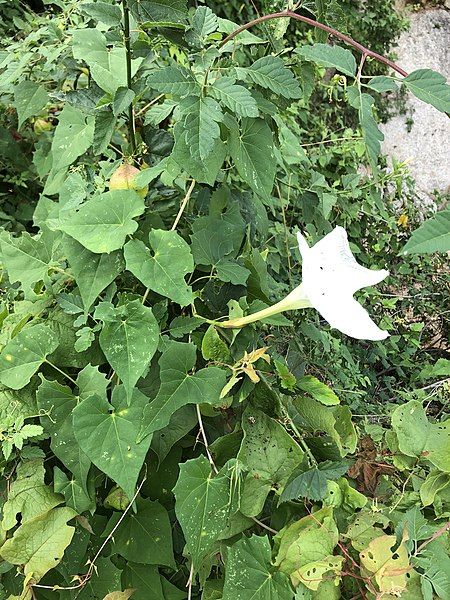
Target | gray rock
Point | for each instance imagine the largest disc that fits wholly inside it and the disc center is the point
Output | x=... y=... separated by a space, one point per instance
x=427 y=146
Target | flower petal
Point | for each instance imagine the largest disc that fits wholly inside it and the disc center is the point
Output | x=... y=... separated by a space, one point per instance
x=331 y=264
x=346 y=314
x=302 y=244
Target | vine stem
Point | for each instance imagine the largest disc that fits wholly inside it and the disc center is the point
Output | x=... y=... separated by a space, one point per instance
x=183 y=205
x=205 y=440
x=190 y=581
x=435 y=535
x=61 y=371
x=126 y=32
x=301 y=441
x=289 y=14
x=264 y=526
x=360 y=68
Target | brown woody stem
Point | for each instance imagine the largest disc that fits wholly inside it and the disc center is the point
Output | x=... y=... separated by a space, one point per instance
x=288 y=14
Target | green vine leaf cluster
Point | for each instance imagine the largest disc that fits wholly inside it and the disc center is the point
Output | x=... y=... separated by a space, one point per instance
x=158 y=166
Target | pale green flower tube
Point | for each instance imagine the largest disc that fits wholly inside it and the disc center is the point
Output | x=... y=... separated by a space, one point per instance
x=296 y=299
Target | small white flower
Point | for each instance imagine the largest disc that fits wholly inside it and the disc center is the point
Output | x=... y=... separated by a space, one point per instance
x=330 y=277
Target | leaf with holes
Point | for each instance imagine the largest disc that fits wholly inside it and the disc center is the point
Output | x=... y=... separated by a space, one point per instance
x=388 y=568
x=335 y=421
x=269 y=454
x=305 y=547
x=28 y=495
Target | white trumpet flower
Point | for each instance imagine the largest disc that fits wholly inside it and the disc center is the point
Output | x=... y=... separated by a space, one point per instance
x=330 y=277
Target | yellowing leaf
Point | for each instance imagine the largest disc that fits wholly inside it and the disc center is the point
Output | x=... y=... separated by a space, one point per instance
x=312 y=574
x=251 y=373
x=39 y=544
x=306 y=545
x=120 y=595
x=228 y=387
x=256 y=355
x=402 y=221
x=388 y=568
x=28 y=495
x=362 y=530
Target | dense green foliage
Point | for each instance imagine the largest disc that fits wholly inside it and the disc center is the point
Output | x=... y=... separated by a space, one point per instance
x=148 y=452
